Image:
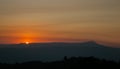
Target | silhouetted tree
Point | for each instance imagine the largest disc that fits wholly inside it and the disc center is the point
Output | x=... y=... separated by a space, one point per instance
x=67 y=63
x=65 y=58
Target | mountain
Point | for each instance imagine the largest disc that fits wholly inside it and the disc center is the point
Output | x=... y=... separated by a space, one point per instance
x=55 y=51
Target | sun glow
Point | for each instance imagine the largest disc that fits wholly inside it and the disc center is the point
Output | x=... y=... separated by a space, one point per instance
x=27 y=43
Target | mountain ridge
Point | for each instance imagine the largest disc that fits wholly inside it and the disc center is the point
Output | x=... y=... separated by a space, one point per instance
x=56 y=51
x=88 y=43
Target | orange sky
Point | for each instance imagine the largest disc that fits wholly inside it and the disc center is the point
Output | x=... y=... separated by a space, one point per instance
x=60 y=20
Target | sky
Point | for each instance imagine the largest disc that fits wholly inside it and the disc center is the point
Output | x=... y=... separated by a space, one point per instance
x=60 y=21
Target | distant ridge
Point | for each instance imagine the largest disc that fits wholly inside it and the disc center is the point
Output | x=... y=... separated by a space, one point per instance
x=55 y=51
x=88 y=43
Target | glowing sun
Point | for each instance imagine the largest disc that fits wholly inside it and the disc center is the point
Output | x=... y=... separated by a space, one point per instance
x=27 y=43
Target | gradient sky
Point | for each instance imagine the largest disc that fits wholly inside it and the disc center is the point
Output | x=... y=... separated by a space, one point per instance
x=60 y=20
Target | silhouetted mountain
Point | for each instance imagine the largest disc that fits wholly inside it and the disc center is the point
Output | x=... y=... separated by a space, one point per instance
x=55 y=51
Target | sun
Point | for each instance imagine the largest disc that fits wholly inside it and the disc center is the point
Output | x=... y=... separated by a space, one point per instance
x=27 y=42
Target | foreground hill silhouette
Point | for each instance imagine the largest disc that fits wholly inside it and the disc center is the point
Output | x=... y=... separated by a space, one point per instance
x=66 y=63
x=12 y=53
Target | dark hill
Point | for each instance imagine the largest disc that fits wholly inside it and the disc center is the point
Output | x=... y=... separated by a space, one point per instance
x=55 y=51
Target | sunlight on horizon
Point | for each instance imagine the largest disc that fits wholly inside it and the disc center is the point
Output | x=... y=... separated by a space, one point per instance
x=27 y=43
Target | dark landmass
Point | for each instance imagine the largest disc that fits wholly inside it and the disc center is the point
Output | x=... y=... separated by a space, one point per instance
x=12 y=53
x=66 y=63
